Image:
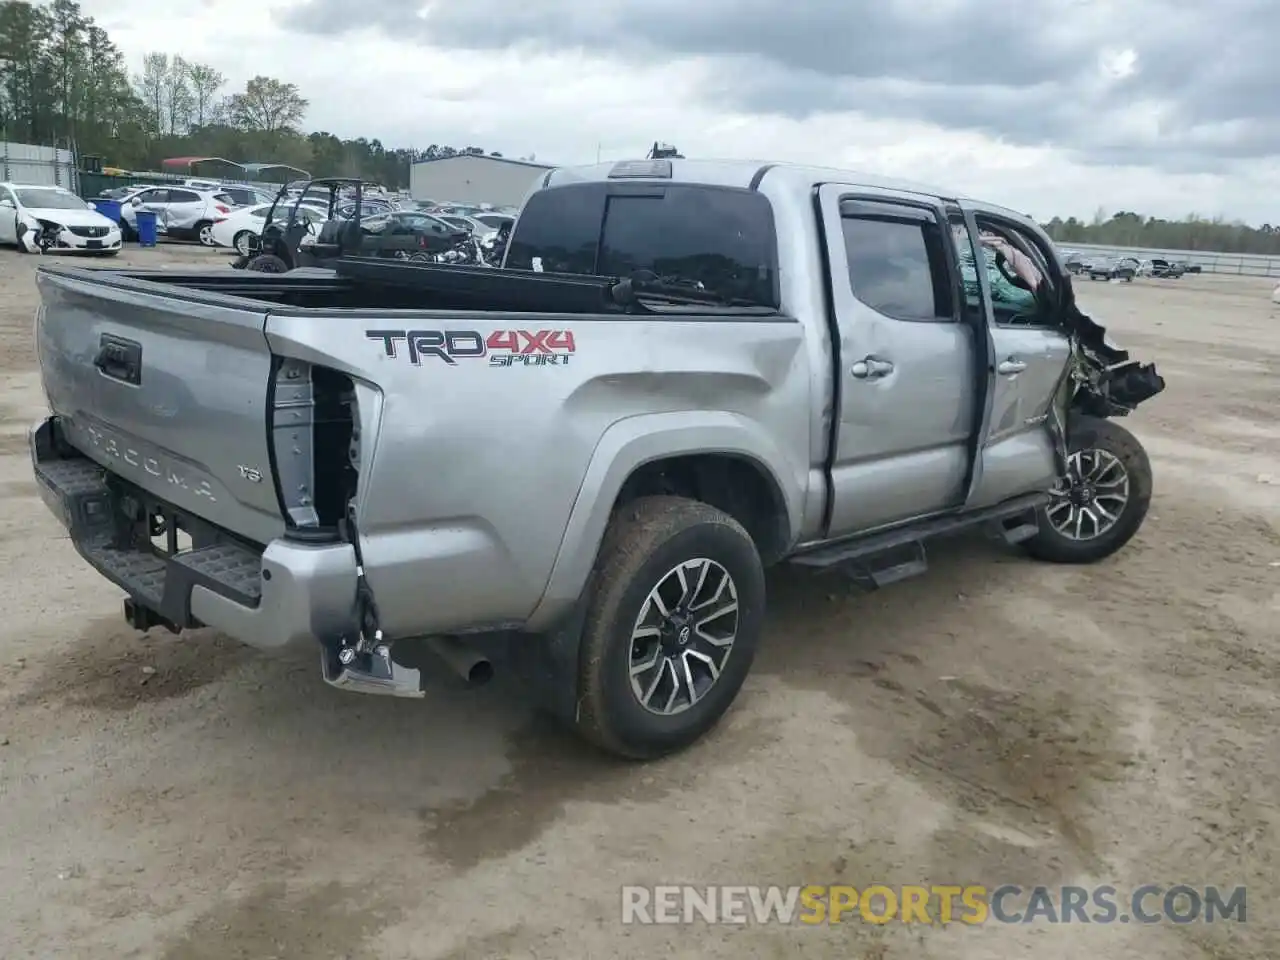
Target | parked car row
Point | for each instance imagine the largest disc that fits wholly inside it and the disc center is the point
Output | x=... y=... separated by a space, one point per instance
x=1125 y=268
x=229 y=215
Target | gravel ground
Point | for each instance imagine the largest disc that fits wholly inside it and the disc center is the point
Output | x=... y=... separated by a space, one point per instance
x=997 y=721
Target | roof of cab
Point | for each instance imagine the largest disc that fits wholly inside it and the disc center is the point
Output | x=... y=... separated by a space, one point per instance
x=747 y=173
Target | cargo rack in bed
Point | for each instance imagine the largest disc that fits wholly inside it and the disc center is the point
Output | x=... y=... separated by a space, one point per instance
x=487 y=288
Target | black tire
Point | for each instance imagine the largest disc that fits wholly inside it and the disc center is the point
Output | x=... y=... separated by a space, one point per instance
x=1089 y=434
x=240 y=242
x=645 y=540
x=197 y=233
x=267 y=263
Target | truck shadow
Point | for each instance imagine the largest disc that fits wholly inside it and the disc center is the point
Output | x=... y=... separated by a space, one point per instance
x=475 y=775
x=932 y=675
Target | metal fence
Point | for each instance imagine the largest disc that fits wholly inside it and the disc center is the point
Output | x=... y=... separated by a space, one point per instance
x=1236 y=264
x=46 y=166
x=92 y=184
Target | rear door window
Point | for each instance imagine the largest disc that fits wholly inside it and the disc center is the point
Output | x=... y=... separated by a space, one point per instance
x=897 y=266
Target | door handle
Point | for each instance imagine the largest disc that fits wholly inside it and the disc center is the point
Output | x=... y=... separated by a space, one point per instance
x=1011 y=366
x=119 y=359
x=871 y=368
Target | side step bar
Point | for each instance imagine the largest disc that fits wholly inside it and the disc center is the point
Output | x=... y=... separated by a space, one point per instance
x=880 y=559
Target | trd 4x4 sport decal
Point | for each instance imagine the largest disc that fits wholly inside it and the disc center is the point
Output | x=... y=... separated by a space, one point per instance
x=504 y=348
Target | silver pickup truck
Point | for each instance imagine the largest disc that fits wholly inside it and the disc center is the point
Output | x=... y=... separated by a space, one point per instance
x=581 y=463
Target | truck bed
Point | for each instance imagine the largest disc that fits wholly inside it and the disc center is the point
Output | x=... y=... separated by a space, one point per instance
x=375 y=284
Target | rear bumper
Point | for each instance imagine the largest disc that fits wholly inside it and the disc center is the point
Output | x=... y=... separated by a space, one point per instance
x=269 y=598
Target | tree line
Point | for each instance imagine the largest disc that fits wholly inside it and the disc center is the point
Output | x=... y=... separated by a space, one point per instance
x=1128 y=229
x=63 y=82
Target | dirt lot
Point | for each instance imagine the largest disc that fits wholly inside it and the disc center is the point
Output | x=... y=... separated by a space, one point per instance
x=999 y=721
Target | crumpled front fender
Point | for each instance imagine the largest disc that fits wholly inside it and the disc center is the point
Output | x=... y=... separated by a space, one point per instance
x=29 y=234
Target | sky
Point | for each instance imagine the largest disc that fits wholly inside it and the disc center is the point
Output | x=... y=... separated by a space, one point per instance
x=1052 y=107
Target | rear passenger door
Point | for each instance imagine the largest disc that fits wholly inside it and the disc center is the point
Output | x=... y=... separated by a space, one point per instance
x=1022 y=423
x=906 y=378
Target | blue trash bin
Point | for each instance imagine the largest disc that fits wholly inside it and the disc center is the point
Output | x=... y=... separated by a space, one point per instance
x=146 y=228
x=108 y=208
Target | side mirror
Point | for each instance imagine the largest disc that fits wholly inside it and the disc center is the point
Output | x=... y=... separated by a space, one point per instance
x=6 y=202
x=135 y=202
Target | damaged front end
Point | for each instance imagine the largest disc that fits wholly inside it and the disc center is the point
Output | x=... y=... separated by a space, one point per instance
x=1104 y=381
x=31 y=234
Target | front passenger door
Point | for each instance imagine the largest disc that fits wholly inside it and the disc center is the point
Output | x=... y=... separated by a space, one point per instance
x=1019 y=451
x=183 y=211
x=148 y=200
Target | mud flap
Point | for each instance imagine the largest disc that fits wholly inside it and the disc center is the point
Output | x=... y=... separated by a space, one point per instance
x=547 y=665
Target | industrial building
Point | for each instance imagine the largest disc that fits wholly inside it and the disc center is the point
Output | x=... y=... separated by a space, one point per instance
x=475 y=178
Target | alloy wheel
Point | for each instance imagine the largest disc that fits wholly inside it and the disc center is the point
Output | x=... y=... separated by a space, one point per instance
x=1090 y=500
x=683 y=636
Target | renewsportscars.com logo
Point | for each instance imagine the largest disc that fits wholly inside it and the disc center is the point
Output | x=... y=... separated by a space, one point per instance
x=933 y=904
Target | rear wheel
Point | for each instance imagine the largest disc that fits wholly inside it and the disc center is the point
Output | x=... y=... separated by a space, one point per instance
x=1101 y=503
x=204 y=233
x=673 y=619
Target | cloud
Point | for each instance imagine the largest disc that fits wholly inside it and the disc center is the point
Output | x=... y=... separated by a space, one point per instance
x=1047 y=106
x=1148 y=79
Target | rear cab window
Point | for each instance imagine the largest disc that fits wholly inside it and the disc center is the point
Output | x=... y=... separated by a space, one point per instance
x=711 y=240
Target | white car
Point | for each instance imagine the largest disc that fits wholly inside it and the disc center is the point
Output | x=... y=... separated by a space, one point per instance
x=473 y=225
x=234 y=229
x=43 y=218
x=181 y=212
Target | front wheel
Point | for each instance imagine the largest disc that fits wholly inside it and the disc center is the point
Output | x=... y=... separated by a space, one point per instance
x=674 y=616
x=1101 y=503
x=267 y=263
x=241 y=243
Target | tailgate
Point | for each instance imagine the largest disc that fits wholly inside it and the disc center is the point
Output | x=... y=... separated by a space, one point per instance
x=165 y=387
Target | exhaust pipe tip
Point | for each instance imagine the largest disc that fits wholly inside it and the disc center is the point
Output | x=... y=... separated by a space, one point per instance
x=480 y=673
x=467 y=663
